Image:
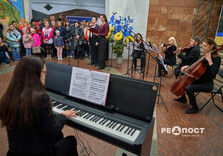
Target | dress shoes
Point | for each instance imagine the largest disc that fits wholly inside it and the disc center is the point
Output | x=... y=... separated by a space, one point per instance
x=192 y=110
x=181 y=99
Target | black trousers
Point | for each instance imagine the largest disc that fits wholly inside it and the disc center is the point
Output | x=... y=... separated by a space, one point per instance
x=139 y=54
x=67 y=147
x=198 y=87
x=94 y=53
x=177 y=71
x=64 y=147
x=102 y=51
x=160 y=66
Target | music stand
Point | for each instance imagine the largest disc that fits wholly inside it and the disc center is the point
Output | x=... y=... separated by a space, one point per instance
x=160 y=61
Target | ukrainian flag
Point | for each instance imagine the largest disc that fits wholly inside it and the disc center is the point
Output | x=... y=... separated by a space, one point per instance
x=219 y=38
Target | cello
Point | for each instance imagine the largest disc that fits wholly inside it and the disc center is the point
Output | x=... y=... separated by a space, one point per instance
x=191 y=74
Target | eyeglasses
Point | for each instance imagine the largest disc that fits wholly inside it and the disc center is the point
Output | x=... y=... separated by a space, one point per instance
x=45 y=72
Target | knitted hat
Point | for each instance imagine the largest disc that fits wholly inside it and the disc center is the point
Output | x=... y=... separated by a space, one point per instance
x=32 y=29
x=57 y=31
x=37 y=23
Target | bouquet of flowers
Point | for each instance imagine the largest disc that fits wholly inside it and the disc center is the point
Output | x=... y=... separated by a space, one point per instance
x=119 y=33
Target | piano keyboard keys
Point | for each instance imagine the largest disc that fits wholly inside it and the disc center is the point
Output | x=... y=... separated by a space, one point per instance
x=112 y=127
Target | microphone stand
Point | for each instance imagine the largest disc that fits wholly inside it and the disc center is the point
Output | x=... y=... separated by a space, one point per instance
x=112 y=59
x=127 y=68
x=143 y=48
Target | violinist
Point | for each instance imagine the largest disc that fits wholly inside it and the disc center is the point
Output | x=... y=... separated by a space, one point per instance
x=170 y=54
x=191 y=56
x=139 y=46
x=205 y=82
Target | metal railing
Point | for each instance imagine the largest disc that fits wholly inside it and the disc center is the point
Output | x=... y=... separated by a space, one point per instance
x=202 y=18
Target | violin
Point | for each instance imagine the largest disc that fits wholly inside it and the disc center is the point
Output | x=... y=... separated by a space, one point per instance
x=140 y=41
x=186 y=49
x=166 y=45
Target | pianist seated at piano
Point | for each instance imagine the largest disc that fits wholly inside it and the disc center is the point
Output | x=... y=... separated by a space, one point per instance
x=26 y=112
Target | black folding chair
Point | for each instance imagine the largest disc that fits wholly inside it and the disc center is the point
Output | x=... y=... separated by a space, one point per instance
x=214 y=92
x=171 y=72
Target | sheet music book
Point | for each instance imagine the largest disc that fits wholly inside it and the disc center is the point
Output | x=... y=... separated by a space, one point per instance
x=93 y=30
x=133 y=46
x=161 y=58
x=89 y=85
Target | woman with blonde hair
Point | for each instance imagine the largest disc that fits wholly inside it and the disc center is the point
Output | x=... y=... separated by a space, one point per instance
x=170 y=55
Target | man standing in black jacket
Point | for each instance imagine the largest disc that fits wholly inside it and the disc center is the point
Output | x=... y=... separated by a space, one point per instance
x=188 y=59
x=94 y=43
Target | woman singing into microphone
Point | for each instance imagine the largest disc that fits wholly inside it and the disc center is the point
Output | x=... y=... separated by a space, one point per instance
x=102 y=32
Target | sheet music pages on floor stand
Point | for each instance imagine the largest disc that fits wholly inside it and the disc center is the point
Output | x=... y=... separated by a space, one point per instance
x=89 y=85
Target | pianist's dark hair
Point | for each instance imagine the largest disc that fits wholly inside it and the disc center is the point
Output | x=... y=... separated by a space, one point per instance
x=18 y=105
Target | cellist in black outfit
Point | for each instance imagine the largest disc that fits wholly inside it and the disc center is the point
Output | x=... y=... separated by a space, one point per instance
x=205 y=82
x=188 y=59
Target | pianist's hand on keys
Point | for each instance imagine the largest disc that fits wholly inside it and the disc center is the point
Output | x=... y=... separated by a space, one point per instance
x=69 y=113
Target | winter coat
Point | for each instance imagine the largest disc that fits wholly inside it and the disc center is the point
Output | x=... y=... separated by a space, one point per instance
x=26 y=41
x=12 y=36
x=58 y=41
x=47 y=33
x=73 y=35
x=36 y=40
x=63 y=32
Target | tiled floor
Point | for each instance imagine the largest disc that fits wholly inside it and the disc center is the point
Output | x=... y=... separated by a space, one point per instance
x=207 y=143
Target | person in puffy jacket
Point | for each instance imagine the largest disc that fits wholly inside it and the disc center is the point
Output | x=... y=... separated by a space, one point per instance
x=14 y=37
x=27 y=41
x=36 y=38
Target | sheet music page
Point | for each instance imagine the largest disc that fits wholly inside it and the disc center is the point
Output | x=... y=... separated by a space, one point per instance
x=79 y=85
x=98 y=87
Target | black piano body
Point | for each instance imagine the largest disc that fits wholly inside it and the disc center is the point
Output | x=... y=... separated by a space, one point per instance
x=130 y=102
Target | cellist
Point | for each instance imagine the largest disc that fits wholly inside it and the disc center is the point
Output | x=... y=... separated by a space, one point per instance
x=191 y=56
x=205 y=82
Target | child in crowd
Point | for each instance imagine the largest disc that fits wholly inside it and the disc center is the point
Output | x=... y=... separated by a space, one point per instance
x=59 y=44
x=47 y=34
x=27 y=42
x=38 y=28
x=36 y=40
x=14 y=37
x=26 y=25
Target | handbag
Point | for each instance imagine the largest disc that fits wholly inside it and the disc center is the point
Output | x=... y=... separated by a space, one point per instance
x=35 y=50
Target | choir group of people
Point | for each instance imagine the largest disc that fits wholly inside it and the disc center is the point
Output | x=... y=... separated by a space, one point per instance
x=59 y=38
